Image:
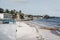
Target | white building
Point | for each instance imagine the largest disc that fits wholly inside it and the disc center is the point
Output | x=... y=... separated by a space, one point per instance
x=1 y=16
x=5 y=15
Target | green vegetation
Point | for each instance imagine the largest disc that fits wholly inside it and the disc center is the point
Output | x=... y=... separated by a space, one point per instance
x=46 y=16
x=30 y=16
x=21 y=14
x=13 y=13
x=7 y=11
x=1 y=10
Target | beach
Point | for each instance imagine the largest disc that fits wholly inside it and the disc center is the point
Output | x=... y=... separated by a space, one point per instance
x=29 y=31
x=25 y=30
x=8 y=31
x=29 y=19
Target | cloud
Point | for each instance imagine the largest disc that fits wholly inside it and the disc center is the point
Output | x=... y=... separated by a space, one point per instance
x=15 y=1
x=18 y=0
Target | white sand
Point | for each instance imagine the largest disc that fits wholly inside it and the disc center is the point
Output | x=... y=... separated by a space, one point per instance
x=25 y=32
x=7 y=32
x=48 y=35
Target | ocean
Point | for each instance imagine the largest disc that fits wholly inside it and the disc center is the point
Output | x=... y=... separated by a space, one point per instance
x=51 y=22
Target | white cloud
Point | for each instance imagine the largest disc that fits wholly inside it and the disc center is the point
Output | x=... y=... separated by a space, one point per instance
x=15 y=1
x=18 y=0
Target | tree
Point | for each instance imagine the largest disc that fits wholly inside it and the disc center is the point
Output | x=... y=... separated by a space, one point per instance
x=30 y=16
x=21 y=14
x=14 y=16
x=12 y=12
x=20 y=11
x=7 y=11
x=1 y=10
x=46 y=16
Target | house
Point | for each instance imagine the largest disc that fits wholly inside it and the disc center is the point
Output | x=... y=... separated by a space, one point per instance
x=6 y=18
x=1 y=16
x=5 y=15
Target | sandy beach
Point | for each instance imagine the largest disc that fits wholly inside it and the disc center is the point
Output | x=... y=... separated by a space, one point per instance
x=29 y=31
x=8 y=31
x=29 y=19
x=24 y=32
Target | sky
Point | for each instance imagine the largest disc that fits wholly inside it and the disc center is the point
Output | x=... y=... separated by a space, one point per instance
x=34 y=7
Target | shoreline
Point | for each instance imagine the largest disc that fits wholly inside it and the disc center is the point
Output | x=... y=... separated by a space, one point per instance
x=46 y=28
x=51 y=31
x=28 y=31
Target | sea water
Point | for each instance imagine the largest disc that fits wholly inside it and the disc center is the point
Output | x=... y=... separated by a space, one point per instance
x=55 y=22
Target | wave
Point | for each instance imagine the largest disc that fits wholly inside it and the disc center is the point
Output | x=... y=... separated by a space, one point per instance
x=54 y=22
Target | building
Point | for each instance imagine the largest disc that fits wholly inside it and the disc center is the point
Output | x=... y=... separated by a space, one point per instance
x=5 y=15
x=1 y=16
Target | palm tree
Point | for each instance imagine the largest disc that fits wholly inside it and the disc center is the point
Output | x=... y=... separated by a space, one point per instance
x=13 y=11
x=21 y=14
x=7 y=11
